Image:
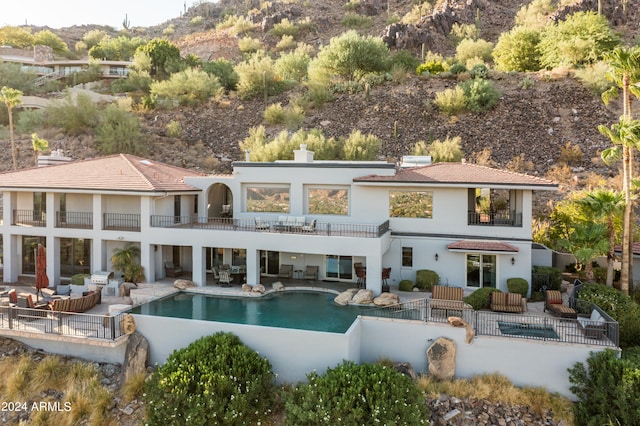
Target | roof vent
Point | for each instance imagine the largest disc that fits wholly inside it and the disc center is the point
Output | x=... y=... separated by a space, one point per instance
x=56 y=157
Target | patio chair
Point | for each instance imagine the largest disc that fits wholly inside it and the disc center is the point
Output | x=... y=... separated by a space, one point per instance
x=553 y=304
x=286 y=271
x=361 y=274
x=311 y=273
x=261 y=225
x=172 y=270
x=225 y=278
x=309 y=228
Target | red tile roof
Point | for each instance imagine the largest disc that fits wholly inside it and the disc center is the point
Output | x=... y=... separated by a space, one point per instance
x=461 y=173
x=120 y=172
x=482 y=245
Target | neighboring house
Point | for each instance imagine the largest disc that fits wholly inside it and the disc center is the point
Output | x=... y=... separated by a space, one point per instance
x=470 y=224
x=41 y=61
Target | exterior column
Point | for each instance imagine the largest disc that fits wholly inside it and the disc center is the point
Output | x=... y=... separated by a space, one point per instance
x=374 y=275
x=146 y=261
x=253 y=266
x=199 y=273
x=10 y=252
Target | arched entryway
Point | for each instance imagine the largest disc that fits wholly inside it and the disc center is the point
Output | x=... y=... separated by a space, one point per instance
x=219 y=201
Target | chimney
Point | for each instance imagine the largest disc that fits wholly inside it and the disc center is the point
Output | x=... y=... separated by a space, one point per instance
x=56 y=157
x=247 y=155
x=302 y=155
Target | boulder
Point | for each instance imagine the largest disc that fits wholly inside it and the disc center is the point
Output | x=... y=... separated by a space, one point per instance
x=125 y=289
x=136 y=356
x=405 y=368
x=363 y=297
x=345 y=297
x=441 y=358
x=277 y=286
x=258 y=288
x=459 y=322
x=246 y=288
x=386 y=299
x=183 y=284
x=128 y=324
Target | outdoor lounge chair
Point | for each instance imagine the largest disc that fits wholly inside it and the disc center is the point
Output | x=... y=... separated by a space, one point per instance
x=311 y=273
x=593 y=327
x=225 y=278
x=25 y=300
x=286 y=271
x=553 y=304
x=172 y=270
x=261 y=225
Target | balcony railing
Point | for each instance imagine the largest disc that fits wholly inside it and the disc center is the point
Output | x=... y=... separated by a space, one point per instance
x=83 y=325
x=495 y=219
x=121 y=222
x=488 y=323
x=274 y=226
x=29 y=218
x=80 y=220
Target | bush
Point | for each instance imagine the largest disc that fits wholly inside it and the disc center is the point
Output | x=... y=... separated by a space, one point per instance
x=119 y=131
x=78 y=279
x=287 y=42
x=518 y=285
x=293 y=66
x=249 y=45
x=469 y=48
x=292 y=117
x=284 y=28
x=353 y=20
x=555 y=276
x=223 y=69
x=431 y=67
x=426 y=279
x=353 y=394
x=450 y=101
x=30 y=121
x=457 y=68
x=405 y=285
x=257 y=77
x=74 y=117
x=405 y=59
x=360 y=147
x=448 y=150
x=580 y=39
x=188 y=87
x=214 y=380
x=479 y=71
x=594 y=78
x=517 y=50
x=481 y=298
x=608 y=390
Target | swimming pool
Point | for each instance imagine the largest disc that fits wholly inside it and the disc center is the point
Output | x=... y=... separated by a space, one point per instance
x=299 y=310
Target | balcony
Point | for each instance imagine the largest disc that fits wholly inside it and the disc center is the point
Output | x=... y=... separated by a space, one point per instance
x=275 y=227
x=30 y=218
x=78 y=220
x=121 y=222
x=501 y=218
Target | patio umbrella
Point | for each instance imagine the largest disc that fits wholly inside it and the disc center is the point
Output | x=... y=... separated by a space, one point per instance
x=42 y=281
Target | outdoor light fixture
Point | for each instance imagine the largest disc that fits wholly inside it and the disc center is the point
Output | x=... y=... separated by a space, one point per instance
x=513 y=260
x=436 y=256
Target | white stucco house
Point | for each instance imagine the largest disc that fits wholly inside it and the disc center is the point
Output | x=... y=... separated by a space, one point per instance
x=470 y=224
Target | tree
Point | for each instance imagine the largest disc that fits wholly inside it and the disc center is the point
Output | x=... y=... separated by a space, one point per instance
x=582 y=38
x=127 y=261
x=162 y=53
x=16 y=37
x=47 y=38
x=605 y=205
x=625 y=136
x=587 y=241
x=39 y=145
x=11 y=97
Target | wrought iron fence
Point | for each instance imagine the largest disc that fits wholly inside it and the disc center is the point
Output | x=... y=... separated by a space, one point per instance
x=121 y=221
x=30 y=217
x=495 y=219
x=79 y=220
x=487 y=323
x=274 y=226
x=107 y=327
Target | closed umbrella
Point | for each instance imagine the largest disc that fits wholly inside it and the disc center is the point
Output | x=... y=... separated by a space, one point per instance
x=42 y=281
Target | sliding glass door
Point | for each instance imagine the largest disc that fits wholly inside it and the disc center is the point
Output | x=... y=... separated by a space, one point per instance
x=339 y=267
x=481 y=270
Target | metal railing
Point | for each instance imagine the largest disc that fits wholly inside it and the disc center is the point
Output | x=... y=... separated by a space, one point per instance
x=274 y=226
x=495 y=219
x=106 y=327
x=30 y=218
x=121 y=221
x=80 y=220
x=519 y=326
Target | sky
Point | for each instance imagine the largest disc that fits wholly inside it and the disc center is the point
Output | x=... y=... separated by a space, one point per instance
x=65 y=13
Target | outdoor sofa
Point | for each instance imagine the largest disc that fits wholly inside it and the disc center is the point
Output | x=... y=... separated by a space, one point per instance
x=77 y=304
x=508 y=302
x=444 y=297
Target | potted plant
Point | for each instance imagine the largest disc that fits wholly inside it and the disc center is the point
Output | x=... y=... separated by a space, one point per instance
x=126 y=260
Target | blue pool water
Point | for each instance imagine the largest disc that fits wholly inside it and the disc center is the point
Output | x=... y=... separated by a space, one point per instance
x=300 y=310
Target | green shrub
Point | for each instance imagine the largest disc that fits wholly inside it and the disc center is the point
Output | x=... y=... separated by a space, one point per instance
x=223 y=69
x=451 y=101
x=405 y=59
x=554 y=274
x=74 y=116
x=469 y=48
x=353 y=20
x=119 y=131
x=426 y=279
x=481 y=298
x=431 y=67
x=78 y=279
x=457 y=68
x=174 y=129
x=629 y=322
x=188 y=87
x=287 y=42
x=600 y=274
x=517 y=50
x=479 y=71
x=196 y=20
x=257 y=77
x=361 y=147
x=405 y=285
x=249 y=45
x=291 y=116
x=293 y=66
x=608 y=390
x=448 y=150
x=214 y=380
x=30 y=121
x=594 y=78
x=284 y=28
x=353 y=394
x=518 y=285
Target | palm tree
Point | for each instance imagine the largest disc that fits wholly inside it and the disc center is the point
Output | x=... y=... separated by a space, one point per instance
x=126 y=260
x=586 y=242
x=605 y=204
x=625 y=73
x=11 y=97
x=39 y=145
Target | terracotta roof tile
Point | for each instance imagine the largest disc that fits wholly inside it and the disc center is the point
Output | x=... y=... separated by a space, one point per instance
x=460 y=173
x=483 y=245
x=120 y=172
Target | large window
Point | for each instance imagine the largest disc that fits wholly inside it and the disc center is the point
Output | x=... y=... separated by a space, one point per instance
x=29 y=248
x=418 y=204
x=481 y=270
x=75 y=256
x=269 y=262
x=339 y=267
x=333 y=201
x=268 y=199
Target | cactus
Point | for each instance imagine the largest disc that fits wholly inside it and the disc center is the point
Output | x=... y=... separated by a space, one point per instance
x=126 y=23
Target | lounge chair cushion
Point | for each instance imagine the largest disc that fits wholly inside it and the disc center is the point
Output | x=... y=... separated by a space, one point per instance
x=553 y=303
x=507 y=302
